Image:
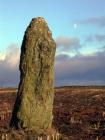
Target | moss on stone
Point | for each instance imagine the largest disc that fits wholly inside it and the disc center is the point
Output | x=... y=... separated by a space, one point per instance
x=34 y=103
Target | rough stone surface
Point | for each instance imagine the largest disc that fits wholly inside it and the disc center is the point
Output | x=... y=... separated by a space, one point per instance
x=34 y=103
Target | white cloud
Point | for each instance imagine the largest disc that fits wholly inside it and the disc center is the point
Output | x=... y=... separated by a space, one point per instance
x=12 y=55
x=2 y=56
x=80 y=69
x=97 y=21
x=9 y=73
x=67 y=41
x=69 y=45
x=97 y=37
x=76 y=70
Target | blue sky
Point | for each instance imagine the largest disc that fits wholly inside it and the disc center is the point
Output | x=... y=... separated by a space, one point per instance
x=78 y=27
x=60 y=15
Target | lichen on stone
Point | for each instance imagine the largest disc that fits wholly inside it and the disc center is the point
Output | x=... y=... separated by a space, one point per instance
x=34 y=102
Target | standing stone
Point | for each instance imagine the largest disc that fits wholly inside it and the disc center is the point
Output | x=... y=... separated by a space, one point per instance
x=34 y=103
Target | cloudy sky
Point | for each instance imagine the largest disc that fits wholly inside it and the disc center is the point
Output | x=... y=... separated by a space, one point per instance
x=78 y=27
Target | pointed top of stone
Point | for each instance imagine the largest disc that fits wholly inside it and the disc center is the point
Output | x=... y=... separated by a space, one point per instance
x=39 y=26
x=39 y=19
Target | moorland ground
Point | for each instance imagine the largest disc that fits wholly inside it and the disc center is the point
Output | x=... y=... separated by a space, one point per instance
x=78 y=113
